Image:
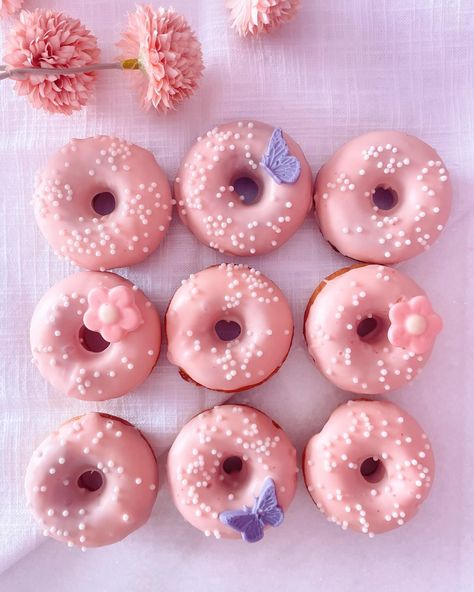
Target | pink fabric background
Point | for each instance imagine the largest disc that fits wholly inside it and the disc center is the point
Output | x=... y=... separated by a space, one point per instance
x=342 y=68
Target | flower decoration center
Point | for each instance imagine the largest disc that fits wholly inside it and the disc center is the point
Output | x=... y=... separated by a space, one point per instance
x=415 y=324
x=108 y=313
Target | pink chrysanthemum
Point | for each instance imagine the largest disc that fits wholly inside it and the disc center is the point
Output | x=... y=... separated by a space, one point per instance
x=9 y=7
x=168 y=54
x=260 y=16
x=50 y=39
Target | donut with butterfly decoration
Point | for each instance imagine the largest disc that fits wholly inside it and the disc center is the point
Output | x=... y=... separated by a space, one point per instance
x=244 y=188
x=232 y=472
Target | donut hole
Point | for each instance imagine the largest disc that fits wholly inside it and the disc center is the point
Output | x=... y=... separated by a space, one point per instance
x=370 y=329
x=232 y=464
x=384 y=198
x=227 y=330
x=247 y=189
x=234 y=472
x=372 y=470
x=92 y=341
x=103 y=203
x=91 y=480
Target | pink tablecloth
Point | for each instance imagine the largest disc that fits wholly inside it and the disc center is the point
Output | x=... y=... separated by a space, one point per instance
x=342 y=68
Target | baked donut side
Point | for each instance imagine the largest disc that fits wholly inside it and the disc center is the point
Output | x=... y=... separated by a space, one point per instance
x=244 y=188
x=228 y=327
x=370 y=467
x=102 y=203
x=383 y=197
x=95 y=336
x=370 y=328
x=232 y=472
x=92 y=481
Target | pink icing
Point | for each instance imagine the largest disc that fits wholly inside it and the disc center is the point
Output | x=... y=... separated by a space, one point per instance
x=64 y=194
x=232 y=293
x=57 y=337
x=414 y=325
x=369 y=363
x=209 y=205
x=201 y=486
x=401 y=474
x=116 y=452
x=351 y=221
x=113 y=313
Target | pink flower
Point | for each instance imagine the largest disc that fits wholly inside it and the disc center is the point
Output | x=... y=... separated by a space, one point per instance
x=260 y=16
x=168 y=54
x=50 y=39
x=113 y=313
x=414 y=325
x=9 y=7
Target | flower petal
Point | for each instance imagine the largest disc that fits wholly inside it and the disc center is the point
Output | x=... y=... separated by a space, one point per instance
x=398 y=312
x=435 y=324
x=420 y=344
x=96 y=297
x=121 y=296
x=112 y=333
x=398 y=336
x=421 y=305
x=131 y=318
x=91 y=320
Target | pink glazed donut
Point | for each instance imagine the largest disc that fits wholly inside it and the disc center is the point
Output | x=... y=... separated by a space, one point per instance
x=370 y=467
x=232 y=472
x=95 y=336
x=370 y=328
x=383 y=197
x=92 y=482
x=229 y=328
x=244 y=188
x=102 y=203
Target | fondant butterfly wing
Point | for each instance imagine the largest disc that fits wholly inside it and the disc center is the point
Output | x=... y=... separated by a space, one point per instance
x=267 y=506
x=278 y=162
x=245 y=522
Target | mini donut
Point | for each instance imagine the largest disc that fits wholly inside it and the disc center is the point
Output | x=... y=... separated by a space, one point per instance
x=95 y=336
x=244 y=188
x=370 y=467
x=69 y=210
x=92 y=482
x=383 y=197
x=370 y=328
x=229 y=328
x=232 y=472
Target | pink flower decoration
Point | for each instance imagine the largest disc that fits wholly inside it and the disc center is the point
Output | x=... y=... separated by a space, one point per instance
x=50 y=39
x=168 y=54
x=414 y=325
x=260 y=16
x=113 y=313
x=9 y=7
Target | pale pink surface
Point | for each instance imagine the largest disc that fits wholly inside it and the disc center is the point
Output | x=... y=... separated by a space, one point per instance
x=340 y=69
x=8 y=7
x=333 y=458
x=211 y=208
x=200 y=487
x=350 y=220
x=169 y=56
x=55 y=336
x=83 y=518
x=75 y=174
x=373 y=364
x=52 y=39
x=414 y=325
x=260 y=16
x=231 y=293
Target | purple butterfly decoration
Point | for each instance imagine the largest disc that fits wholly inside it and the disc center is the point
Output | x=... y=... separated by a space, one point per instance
x=250 y=522
x=278 y=162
